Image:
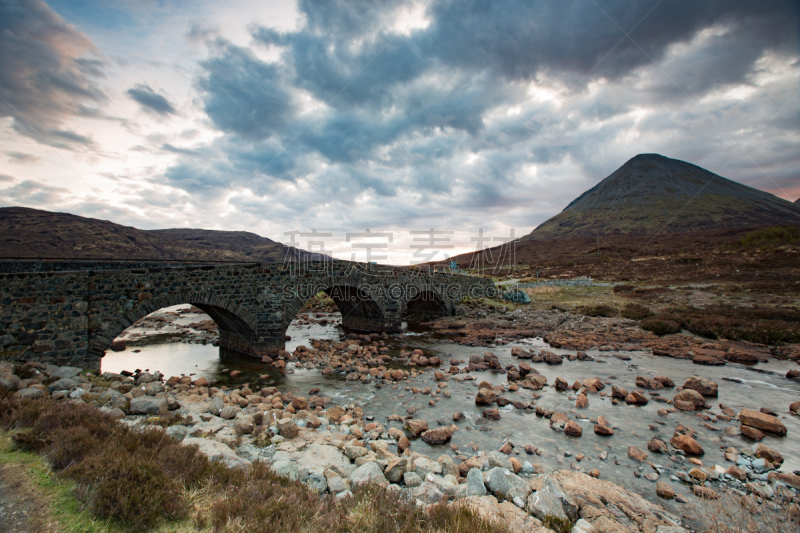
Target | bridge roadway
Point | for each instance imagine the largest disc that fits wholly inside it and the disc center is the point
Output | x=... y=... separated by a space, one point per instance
x=69 y=312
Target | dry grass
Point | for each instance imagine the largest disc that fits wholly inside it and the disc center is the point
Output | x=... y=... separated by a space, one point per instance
x=544 y=289
x=735 y=513
x=144 y=480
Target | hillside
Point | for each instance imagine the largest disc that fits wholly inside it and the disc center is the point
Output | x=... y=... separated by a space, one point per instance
x=33 y=233
x=653 y=194
x=656 y=218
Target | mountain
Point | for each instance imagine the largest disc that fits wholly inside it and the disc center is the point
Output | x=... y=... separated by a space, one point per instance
x=653 y=194
x=34 y=233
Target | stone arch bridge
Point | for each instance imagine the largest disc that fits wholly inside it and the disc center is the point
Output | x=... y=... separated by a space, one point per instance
x=68 y=313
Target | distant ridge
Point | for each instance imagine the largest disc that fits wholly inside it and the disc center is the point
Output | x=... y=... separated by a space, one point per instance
x=653 y=194
x=32 y=233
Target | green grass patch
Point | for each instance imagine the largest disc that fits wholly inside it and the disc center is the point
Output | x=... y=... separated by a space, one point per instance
x=64 y=507
x=770 y=238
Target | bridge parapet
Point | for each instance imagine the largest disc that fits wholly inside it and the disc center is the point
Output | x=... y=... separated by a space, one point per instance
x=71 y=316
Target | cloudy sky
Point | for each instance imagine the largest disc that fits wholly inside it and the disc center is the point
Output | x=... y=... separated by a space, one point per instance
x=469 y=117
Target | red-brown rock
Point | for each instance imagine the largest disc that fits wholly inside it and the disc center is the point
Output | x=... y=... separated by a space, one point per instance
x=687 y=444
x=762 y=421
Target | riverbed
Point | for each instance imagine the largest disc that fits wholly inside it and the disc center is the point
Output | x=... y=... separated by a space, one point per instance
x=762 y=385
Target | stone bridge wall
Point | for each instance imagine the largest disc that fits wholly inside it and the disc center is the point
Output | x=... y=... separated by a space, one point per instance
x=71 y=317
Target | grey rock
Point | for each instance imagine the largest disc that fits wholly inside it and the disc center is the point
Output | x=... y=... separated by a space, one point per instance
x=144 y=377
x=369 y=472
x=115 y=412
x=583 y=526
x=428 y=493
x=216 y=406
x=337 y=484
x=317 y=482
x=671 y=529
x=10 y=381
x=7 y=340
x=249 y=452
x=229 y=412
x=217 y=451
x=412 y=479
x=506 y=485
x=424 y=466
x=148 y=405
x=64 y=384
x=178 y=432
x=287 y=428
x=286 y=469
x=475 y=485
x=30 y=394
x=498 y=459
x=66 y=372
x=77 y=392
x=551 y=500
x=344 y=494
x=153 y=388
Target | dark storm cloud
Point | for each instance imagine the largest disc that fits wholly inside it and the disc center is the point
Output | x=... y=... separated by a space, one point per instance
x=151 y=100
x=353 y=105
x=588 y=39
x=44 y=77
x=243 y=95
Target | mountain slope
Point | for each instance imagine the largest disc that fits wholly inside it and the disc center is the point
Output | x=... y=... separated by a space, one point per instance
x=653 y=194
x=33 y=233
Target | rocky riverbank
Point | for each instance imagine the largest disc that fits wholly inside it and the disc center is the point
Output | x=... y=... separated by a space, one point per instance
x=333 y=448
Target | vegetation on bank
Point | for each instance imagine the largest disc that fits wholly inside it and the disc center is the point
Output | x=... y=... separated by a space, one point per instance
x=109 y=477
x=770 y=238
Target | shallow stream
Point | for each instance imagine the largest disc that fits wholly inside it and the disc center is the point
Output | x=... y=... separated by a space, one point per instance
x=739 y=386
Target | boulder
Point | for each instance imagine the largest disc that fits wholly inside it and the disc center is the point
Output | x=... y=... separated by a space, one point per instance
x=603 y=430
x=618 y=392
x=762 y=421
x=148 y=405
x=506 y=485
x=475 y=485
x=217 y=451
x=704 y=386
x=286 y=469
x=687 y=444
x=665 y=490
x=396 y=469
x=287 y=428
x=573 y=429
x=657 y=446
x=636 y=398
x=416 y=426
x=773 y=456
x=439 y=435
x=486 y=396
x=689 y=400
x=368 y=472
x=29 y=394
x=551 y=500
x=637 y=454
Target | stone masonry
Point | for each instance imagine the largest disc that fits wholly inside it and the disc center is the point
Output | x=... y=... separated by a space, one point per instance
x=71 y=316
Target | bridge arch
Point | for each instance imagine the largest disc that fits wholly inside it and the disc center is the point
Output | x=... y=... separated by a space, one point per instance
x=360 y=311
x=237 y=325
x=426 y=303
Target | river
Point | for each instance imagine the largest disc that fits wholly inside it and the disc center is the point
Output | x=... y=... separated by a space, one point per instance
x=740 y=386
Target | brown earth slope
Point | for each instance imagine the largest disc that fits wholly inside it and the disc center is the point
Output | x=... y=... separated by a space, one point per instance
x=658 y=218
x=33 y=233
